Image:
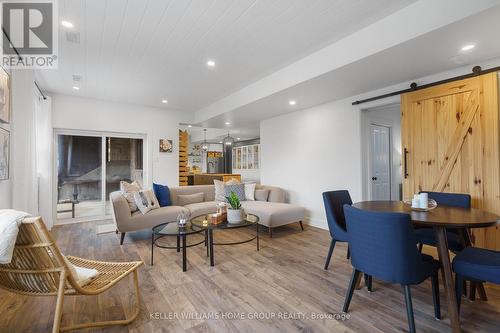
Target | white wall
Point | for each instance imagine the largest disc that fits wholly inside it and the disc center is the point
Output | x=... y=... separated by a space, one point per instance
x=71 y=112
x=312 y=151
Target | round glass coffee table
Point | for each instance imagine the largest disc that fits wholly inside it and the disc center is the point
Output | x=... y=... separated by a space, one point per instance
x=181 y=232
x=204 y=221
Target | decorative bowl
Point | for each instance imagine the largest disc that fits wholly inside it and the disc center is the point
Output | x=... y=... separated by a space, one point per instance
x=431 y=205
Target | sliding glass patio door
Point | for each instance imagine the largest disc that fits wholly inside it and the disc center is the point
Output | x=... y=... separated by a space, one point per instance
x=124 y=161
x=89 y=167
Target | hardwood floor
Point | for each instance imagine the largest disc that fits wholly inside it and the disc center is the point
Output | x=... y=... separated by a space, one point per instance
x=285 y=278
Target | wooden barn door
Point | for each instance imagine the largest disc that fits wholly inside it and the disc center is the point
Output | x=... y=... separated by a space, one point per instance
x=451 y=144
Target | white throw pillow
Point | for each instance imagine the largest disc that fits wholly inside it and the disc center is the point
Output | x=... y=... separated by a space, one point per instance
x=220 y=192
x=250 y=191
x=10 y=220
x=146 y=201
x=82 y=275
x=128 y=190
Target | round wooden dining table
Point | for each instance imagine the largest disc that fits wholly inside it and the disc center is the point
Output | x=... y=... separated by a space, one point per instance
x=440 y=219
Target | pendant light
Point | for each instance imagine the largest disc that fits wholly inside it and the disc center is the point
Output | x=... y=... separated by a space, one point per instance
x=204 y=145
x=228 y=141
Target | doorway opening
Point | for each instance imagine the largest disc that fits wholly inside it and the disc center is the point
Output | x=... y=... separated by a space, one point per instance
x=381 y=144
x=219 y=154
x=89 y=167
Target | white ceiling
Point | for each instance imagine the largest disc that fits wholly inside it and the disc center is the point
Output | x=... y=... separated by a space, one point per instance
x=143 y=51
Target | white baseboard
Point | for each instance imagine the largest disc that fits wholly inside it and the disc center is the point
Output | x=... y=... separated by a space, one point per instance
x=317 y=223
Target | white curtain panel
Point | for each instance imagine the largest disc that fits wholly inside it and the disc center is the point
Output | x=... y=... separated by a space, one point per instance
x=24 y=184
x=44 y=158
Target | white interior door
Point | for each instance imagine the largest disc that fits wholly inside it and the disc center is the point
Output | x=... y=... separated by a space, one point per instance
x=380 y=152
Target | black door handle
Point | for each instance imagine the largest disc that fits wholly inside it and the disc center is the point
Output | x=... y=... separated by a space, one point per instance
x=405 y=163
x=374 y=178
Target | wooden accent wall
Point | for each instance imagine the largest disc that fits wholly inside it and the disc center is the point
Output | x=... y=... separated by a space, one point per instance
x=183 y=157
x=451 y=134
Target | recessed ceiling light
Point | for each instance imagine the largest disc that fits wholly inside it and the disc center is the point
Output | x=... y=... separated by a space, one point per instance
x=190 y=126
x=211 y=63
x=67 y=24
x=292 y=102
x=76 y=88
x=220 y=141
x=238 y=138
x=227 y=123
x=164 y=101
x=468 y=47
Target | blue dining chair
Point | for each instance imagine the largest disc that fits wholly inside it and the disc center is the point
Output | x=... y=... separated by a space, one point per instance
x=383 y=245
x=427 y=236
x=334 y=202
x=475 y=265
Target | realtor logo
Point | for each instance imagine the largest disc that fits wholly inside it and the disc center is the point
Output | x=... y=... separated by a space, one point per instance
x=29 y=34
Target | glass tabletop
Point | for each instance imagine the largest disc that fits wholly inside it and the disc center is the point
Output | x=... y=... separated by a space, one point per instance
x=205 y=221
x=173 y=229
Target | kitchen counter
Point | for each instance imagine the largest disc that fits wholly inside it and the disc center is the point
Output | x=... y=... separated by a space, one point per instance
x=208 y=178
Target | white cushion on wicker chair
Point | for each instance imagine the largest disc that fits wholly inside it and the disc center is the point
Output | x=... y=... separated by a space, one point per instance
x=9 y=227
x=82 y=275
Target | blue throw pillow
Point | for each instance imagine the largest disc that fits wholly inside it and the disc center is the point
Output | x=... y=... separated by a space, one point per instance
x=239 y=189
x=162 y=194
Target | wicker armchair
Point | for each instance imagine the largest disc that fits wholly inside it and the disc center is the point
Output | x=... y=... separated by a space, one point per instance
x=38 y=269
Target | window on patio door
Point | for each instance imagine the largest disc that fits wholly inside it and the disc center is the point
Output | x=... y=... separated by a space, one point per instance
x=124 y=161
x=89 y=168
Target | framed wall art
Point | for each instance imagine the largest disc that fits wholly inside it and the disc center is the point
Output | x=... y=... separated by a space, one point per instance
x=166 y=146
x=4 y=96
x=4 y=153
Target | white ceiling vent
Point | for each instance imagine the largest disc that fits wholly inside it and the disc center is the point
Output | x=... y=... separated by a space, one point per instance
x=73 y=37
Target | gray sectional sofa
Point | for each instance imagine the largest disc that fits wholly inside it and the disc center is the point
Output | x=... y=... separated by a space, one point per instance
x=272 y=213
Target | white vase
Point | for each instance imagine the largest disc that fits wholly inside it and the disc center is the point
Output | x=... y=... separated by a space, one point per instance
x=234 y=215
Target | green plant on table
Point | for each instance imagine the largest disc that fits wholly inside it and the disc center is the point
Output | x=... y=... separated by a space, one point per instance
x=234 y=201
